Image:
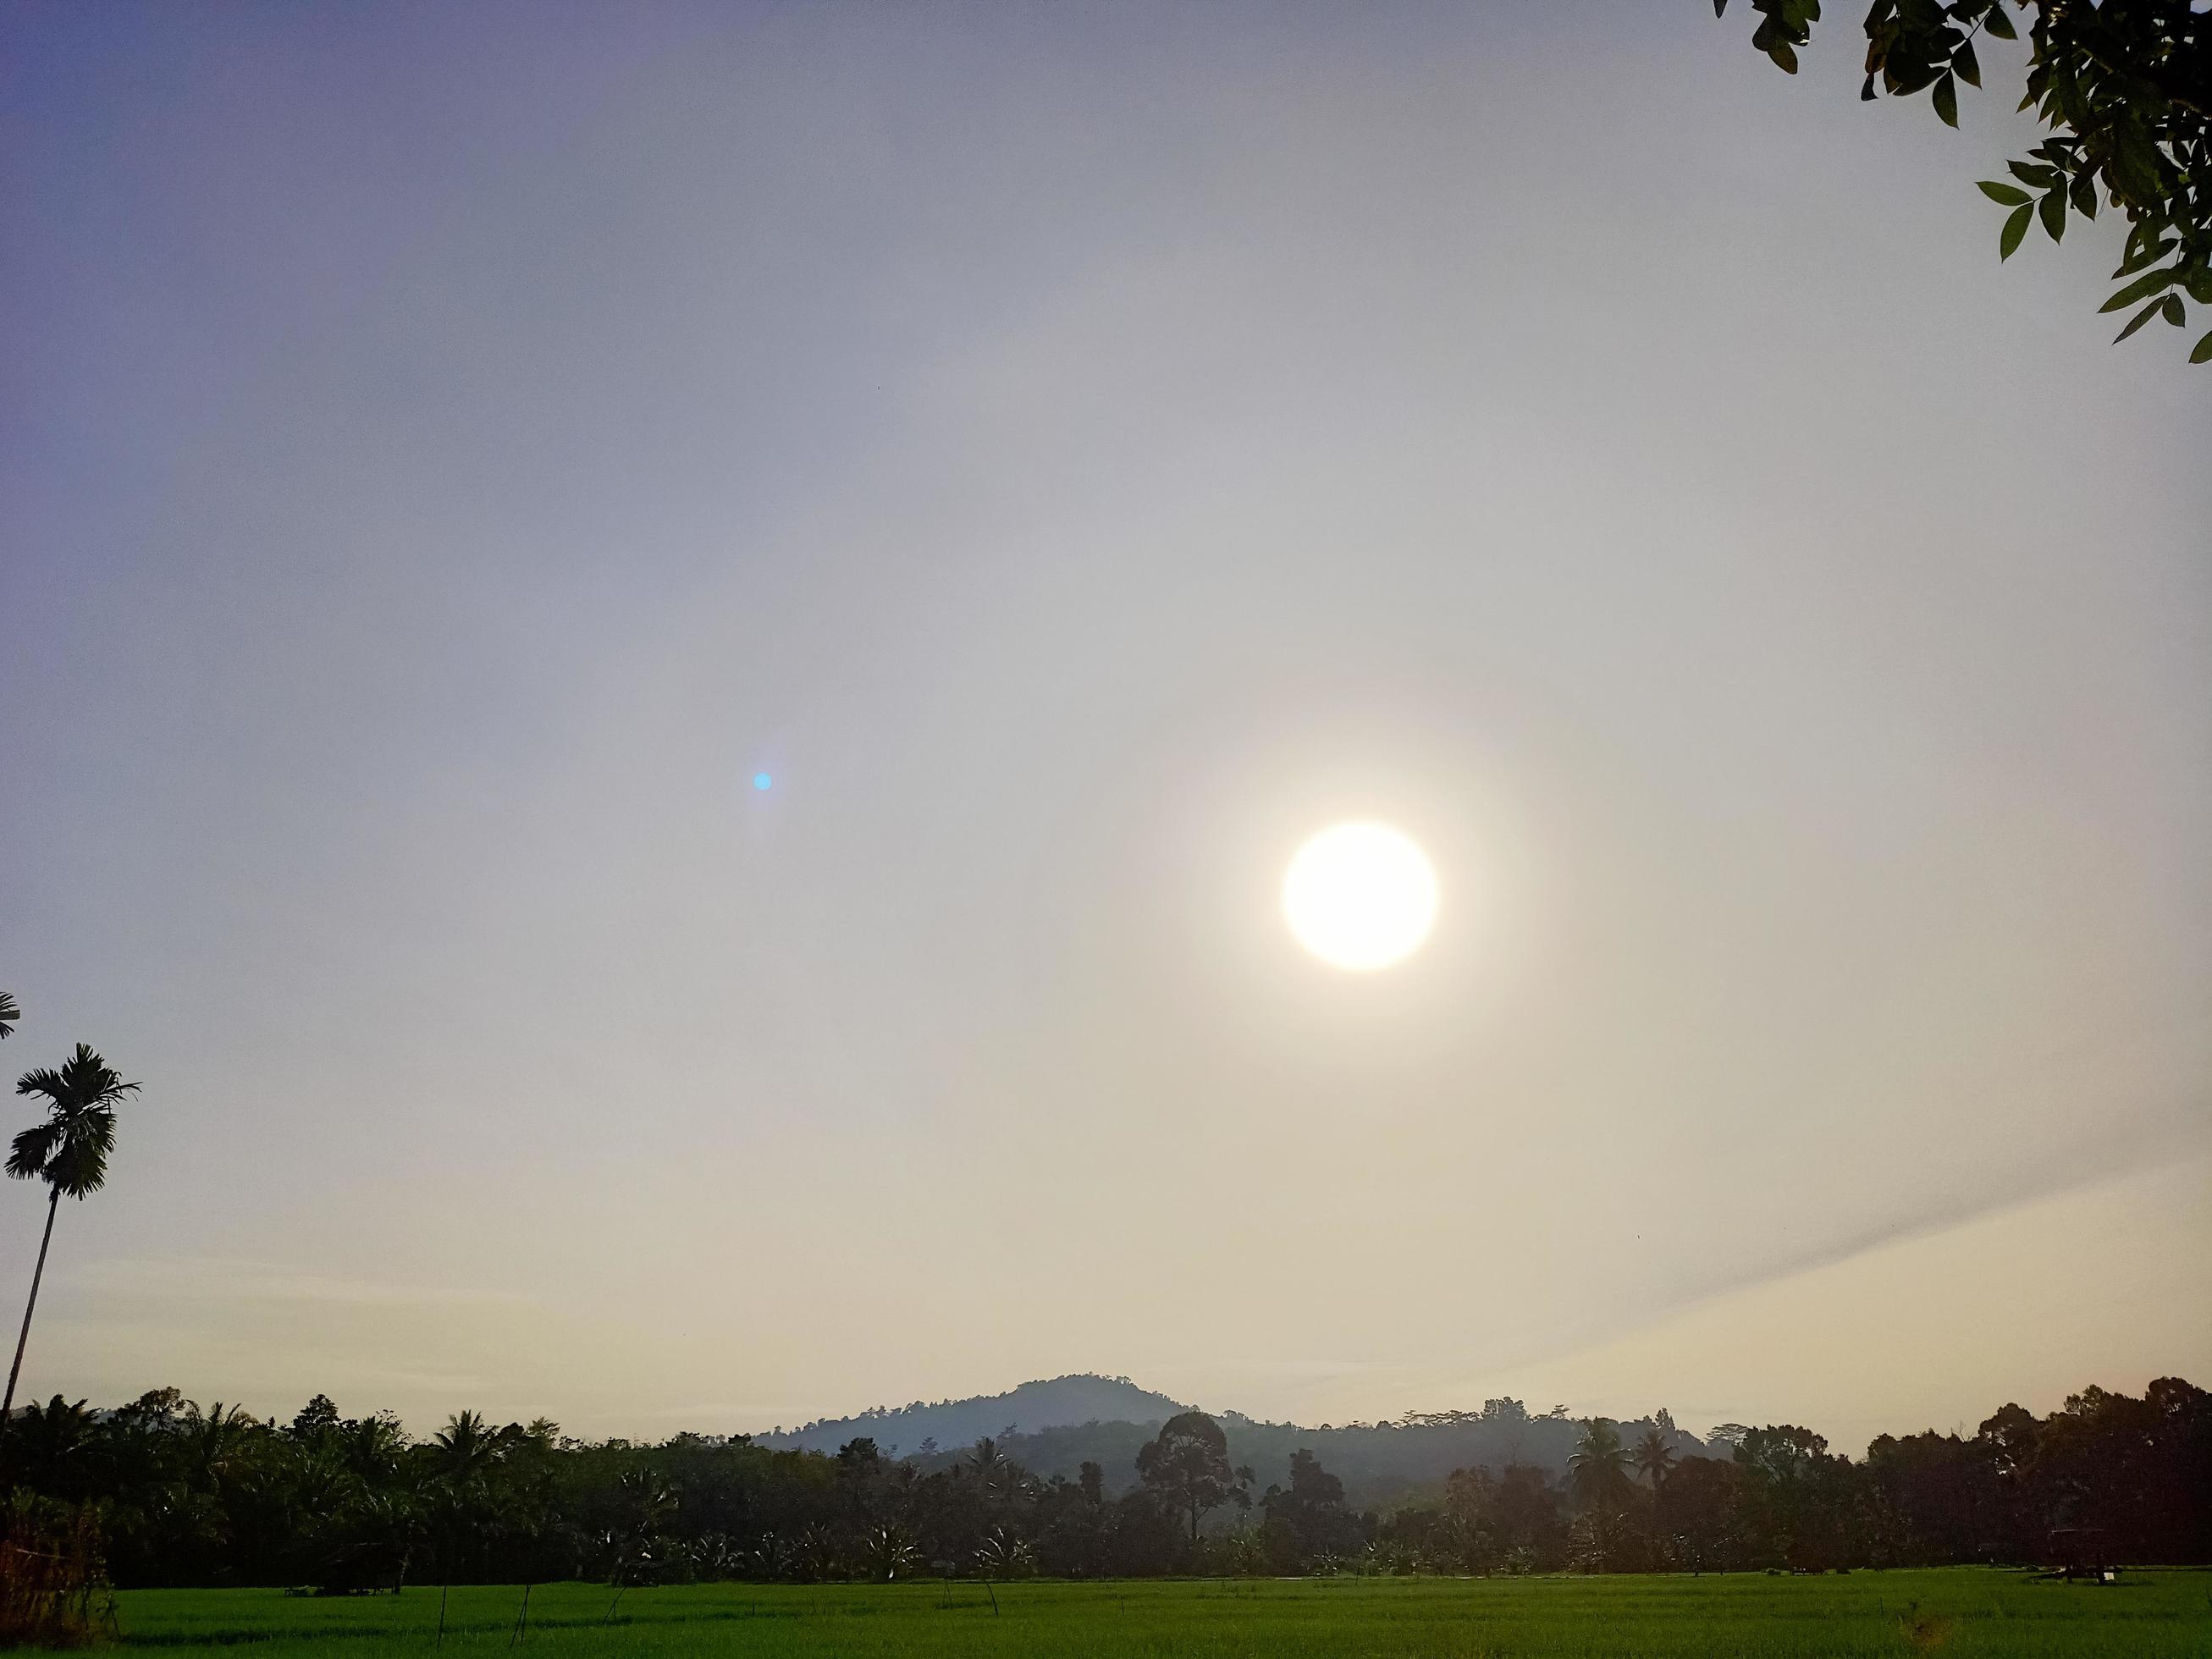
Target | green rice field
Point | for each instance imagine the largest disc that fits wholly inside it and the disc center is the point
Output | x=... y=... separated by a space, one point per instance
x=1956 y=1612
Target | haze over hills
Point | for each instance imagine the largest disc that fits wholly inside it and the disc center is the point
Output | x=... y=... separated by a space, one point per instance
x=921 y=1428
x=1052 y=1428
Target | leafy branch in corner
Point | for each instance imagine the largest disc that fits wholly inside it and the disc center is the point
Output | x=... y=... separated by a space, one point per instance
x=2124 y=88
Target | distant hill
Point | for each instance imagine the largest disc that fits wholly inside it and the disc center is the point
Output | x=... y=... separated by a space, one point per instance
x=920 y=1429
x=1054 y=1427
x=1383 y=1465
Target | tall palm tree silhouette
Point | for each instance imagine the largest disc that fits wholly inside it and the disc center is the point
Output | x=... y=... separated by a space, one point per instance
x=68 y=1151
x=1654 y=1457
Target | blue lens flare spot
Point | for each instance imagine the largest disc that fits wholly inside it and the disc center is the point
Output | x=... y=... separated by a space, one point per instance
x=762 y=780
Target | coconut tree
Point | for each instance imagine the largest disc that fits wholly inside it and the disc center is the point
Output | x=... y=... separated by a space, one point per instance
x=1598 y=1466
x=9 y=1013
x=371 y=1447
x=986 y=1460
x=213 y=1439
x=467 y=1447
x=1653 y=1456
x=68 y=1151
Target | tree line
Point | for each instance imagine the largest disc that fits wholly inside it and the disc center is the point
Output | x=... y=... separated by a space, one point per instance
x=172 y=1494
x=180 y=1494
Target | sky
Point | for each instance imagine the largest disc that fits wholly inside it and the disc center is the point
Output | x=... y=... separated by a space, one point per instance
x=1076 y=453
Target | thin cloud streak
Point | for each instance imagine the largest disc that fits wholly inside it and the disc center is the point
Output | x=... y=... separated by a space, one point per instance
x=2075 y=1173
x=212 y=1279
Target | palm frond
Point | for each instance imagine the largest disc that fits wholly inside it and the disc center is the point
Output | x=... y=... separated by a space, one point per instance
x=31 y=1150
x=9 y=1013
x=79 y=1165
x=41 y=1080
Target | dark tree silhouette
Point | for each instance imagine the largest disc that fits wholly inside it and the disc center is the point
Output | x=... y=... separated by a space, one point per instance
x=1598 y=1466
x=1308 y=1520
x=68 y=1151
x=1189 y=1464
x=1653 y=1456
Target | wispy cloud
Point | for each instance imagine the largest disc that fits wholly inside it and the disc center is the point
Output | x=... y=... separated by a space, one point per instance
x=217 y=1279
x=2144 y=1142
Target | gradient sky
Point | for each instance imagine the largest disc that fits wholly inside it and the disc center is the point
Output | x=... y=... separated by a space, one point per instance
x=1078 y=451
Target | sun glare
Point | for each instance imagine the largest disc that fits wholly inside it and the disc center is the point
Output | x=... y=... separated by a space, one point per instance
x=1360 y=896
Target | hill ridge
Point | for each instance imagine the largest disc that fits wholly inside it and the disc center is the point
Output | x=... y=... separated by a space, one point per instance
x=922 y=1427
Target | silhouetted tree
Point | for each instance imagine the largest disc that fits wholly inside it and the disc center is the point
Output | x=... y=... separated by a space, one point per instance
x=1599 y=1465
x=1188 y=1463
x=1529 y=1524
x=1699 y=1514
x=68 y=1151
x=1306 y=1520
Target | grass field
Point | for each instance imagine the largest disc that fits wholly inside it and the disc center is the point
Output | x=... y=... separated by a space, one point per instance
x=1956 y=1613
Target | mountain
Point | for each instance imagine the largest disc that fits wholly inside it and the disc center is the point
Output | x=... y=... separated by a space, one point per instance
x=1052 y=1428
x=920 y=1429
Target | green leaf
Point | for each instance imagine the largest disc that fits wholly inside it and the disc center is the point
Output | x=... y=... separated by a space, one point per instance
x=1946 y=98
x=2041 y=177
x=1720 y=8
x=2174 y=311
x=1866 y=92
x=1999 y=25
x=2015 y=226
x=1784 y=59
x=2142 y=250
x=2135 y=163
x=1966 y=65
x=2053 y=209
x=2203 y=352
x=2139 y=320
x=2003 y=195
x=2198 y=281
x=2141 y=286
x=2083 y=194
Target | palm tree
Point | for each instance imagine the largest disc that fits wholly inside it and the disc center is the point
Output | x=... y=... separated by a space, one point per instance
x=52 y=1442
x=1598 y=1466
x=890 y=1554
x=1653 y=1457
x=463 y=1454
x=9 y=1013
x=213 y=1436
x=468 y=1446
x=68 y=1151
x=371 y=1446
x=986 y=1460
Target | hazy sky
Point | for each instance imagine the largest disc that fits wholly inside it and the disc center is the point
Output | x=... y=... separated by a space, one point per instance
x=1078 y=451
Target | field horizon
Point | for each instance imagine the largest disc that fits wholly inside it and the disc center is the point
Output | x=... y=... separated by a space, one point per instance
x=2153 y=1613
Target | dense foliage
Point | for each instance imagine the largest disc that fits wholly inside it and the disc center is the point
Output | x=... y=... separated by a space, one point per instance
x=1383 y=1465
x=188 y=1496
x=2123 y=87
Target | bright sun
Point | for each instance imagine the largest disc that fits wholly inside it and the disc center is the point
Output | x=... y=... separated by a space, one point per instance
x=1360 y=896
